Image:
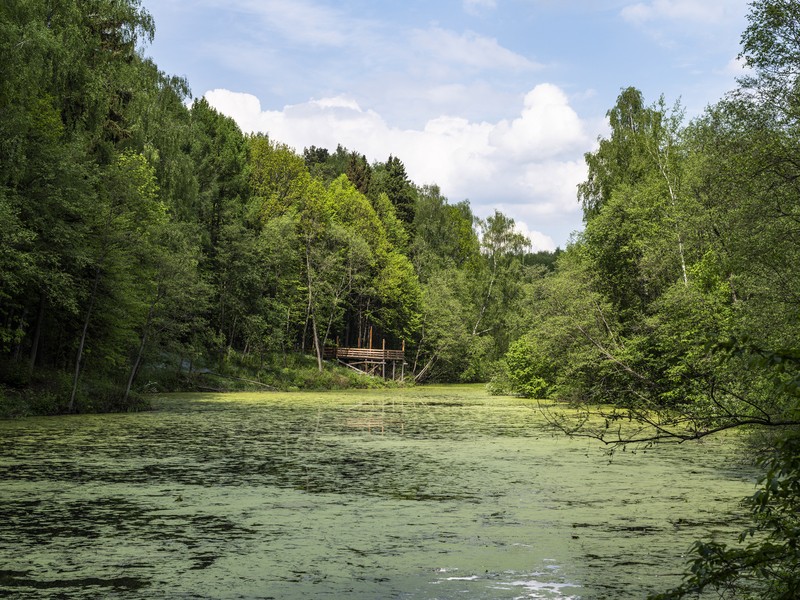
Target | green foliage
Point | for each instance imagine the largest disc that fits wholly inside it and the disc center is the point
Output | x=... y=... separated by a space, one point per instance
x=136 y=227
x=359 y=172
x=133 y=226
x=36 y=397
x=327 y=166
x=258 y=373
x=445 y=237
x=616 y=162
x=530 y=369
x=141 y=239
x=398 y=290
x=219 y=152
x=770 y=45
x=391 y=179
x=443 y=345
x=543 y=258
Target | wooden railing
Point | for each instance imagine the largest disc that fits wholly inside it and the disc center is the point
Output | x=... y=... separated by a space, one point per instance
x=363 y=353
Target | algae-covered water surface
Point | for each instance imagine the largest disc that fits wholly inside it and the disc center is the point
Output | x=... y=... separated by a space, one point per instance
x=431 y=492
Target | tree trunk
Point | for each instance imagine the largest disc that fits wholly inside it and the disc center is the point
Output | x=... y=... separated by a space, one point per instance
x=316 y=342
x=311 y=315
x=421 y=375
x=137 y=361
x=488 y=298
x=673 y=202
x=36 y=335
x=661 y=162
x=308 y=318
x=285 y=339
x=71 y=405
x=233 y=332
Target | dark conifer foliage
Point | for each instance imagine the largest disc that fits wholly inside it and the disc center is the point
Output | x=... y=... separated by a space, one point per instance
x=396 y=185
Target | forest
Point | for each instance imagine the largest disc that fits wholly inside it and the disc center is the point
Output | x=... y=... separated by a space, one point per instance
x=144 y=238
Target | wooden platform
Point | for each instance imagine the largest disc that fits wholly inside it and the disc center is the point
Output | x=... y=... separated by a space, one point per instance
x=369 y=360
x=363 y=353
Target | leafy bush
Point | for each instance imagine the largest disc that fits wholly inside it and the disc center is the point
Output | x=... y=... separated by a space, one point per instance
x=531 y=371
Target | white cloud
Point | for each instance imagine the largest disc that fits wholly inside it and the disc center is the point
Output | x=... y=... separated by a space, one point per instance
x=547 y=127
x=696 y=11
x=539 y=240
x=245 y=109
x=337 y=102
x=527 y=166
x=556 y=182
x=468 y=49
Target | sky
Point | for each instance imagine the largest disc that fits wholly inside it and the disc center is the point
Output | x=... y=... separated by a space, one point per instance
x=494 y=101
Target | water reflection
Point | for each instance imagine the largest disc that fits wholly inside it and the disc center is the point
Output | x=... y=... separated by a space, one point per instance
x=425 y=493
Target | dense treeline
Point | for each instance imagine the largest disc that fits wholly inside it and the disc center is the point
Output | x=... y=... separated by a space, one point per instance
x=141 y=234
x=677 y=307
x=681 y=295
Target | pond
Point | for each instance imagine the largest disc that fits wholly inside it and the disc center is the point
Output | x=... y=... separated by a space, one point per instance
x=429 y=492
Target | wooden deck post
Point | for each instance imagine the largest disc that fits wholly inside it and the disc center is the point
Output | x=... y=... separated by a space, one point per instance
x=403 y=364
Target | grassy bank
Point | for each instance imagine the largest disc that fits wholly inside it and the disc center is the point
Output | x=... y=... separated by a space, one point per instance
x=47 y=392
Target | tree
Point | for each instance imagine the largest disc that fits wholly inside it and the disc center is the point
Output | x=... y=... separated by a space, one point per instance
x=569 y=345
x=123 y=221
x=398 y=296
x=67 y=79
x=333 y=259
x=391 y=178
x=748 y=174
x=770 y=46
x=503 y=248
x=616 y=161
x=486 y=284
x=219 y=153
x=118 y=203
x=677 y=305
x=174 y=295
x=327 y=166
x=444 y=234
x=359 y=172
x=274 y=321
x=635 y=203
x=442 y=346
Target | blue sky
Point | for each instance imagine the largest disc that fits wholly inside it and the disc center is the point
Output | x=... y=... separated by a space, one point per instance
x=496 y=101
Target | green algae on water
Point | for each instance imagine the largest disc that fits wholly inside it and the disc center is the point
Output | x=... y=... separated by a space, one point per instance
x=430 y=492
